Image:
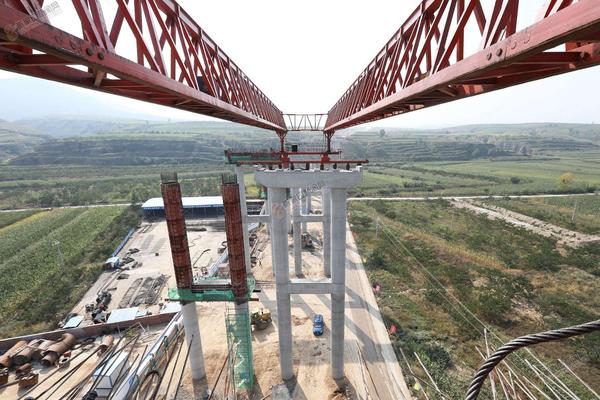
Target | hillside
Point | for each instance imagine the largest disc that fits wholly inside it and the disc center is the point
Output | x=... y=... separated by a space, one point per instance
x=17 y=139
x=443 y=283
x=470 y=142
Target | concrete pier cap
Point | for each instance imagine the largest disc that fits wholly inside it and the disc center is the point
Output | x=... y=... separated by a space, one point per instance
x=314 y=178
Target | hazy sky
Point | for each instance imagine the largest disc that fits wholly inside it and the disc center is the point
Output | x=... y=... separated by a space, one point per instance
x=305 y=54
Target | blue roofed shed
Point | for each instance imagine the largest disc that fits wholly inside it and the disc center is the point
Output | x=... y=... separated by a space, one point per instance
x=193 y=207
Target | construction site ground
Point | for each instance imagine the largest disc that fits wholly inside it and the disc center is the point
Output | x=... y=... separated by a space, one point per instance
x=371 y=367
x=154 y=261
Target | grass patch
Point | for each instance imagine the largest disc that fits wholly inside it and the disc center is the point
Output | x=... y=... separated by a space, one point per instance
x=512 y=280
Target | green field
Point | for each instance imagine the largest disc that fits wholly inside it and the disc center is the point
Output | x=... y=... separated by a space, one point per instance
x=502 y=176
x=9 y=218
x=37 y=289
x=446 y=273
x=579 y=213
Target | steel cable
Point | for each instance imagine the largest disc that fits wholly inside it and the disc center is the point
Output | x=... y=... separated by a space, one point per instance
x=524 y=341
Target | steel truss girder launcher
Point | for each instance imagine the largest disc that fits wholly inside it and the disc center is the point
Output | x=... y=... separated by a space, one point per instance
x=149 y=50
x=451 y=49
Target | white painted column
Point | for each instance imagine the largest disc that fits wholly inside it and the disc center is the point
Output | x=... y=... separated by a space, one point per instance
x=297 y=231
x=338 y=280
x=192 y=329
x=282 y=278
x=326 y=206
x=309 y=201
x=244 y=210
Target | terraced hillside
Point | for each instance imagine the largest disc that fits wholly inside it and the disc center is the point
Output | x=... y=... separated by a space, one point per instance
x=447 y=274
x=37 y=287
x=16 y=139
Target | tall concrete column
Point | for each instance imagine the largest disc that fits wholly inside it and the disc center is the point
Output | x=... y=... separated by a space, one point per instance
x=192 y=329
x=282 y=279
x=297 y=230
x=303 y=194
x=270 y=208
x=338 y=280
x=308 y=201
x=326 y=199
x=244 y=209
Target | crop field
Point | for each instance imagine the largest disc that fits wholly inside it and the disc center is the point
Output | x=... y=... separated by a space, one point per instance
x=447 y=274
x=501 y=176
x=578 y=213
x=10 y=218
x=37 y=287
x=55 y=186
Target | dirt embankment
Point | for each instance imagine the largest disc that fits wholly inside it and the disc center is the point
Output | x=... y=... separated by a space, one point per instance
x=564 y=237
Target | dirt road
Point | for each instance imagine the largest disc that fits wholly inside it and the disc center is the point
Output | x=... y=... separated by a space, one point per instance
x=529 y=196
x=564 y=236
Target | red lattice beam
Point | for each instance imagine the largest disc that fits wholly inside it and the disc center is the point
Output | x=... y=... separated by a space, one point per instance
x=424 y=63
x=171 y=60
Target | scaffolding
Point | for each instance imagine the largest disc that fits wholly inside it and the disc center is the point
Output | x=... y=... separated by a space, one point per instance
x=239 y=345
x=208 y=294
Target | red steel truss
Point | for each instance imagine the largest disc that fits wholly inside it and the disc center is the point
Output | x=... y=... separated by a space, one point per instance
x=433 y=59
x=152 y=50
x=305 y=122
x=169 y=60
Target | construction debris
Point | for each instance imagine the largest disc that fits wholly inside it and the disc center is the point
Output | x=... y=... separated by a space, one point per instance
x=107 y=342
x=6 y=360
x=29 y=380
x=54 y=352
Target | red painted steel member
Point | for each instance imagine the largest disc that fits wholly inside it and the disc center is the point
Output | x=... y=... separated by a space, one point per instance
x=235 y=238
x=171 y=193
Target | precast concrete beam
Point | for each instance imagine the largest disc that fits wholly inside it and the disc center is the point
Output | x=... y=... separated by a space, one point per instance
x=310 y=218
x=309 y=286
x=260 y=219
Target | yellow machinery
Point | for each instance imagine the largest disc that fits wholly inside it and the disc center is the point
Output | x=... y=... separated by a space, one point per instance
x=261 y=319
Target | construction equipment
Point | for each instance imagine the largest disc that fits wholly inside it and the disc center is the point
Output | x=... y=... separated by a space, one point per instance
x=261 y=319
x=307 y=242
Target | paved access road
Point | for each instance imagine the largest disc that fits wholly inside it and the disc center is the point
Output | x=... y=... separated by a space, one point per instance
x=381 y=372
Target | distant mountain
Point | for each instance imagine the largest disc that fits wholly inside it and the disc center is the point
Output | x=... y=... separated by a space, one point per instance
x=65 y=126
x=26 y=98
